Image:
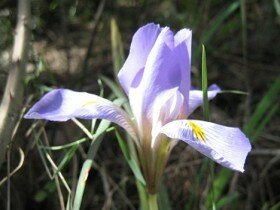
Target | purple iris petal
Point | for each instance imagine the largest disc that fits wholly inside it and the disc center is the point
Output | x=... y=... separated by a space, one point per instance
x=196 y=97
x=141 y=45
x=63 y=104
x=167 y=107
x=225 y=145
x=167 y=67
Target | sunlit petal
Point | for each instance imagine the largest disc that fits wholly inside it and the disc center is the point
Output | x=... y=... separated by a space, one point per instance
x=63 y=104
x=167 y=67
x=165 y=109
x=226 y=145
x=141 y=45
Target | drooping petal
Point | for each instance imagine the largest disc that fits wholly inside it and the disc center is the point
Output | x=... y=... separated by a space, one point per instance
x=167 y=67
x=225 y=145
x=141 y=45
x=63 y=104
x=196 y=97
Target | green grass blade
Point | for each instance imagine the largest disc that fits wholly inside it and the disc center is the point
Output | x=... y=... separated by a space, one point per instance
x=218 y=186
x=67 y=157
x=268 y=100
x=117 y=91
x=217 y=22
x=163 y=199
x=82 y=183
x=237 y=92
x=277 y=7
x=65 y=146
x=98 y=136
x=264 y=121
x=227 y=200
x=262 y=115
x=130 y=160
x=275 y=206
x=221 y=17
x=113 y=86
x=48 y=189
x=194 y=193
x=204 y=84
x=117 y=47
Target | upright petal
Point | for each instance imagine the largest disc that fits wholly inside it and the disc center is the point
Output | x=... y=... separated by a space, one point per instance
x=63 y=104
x=167 y=67
x=166 y=108
x=225 y=145
x=183 y=42
x=185 y=36
x=142 y=43
x=196 y=97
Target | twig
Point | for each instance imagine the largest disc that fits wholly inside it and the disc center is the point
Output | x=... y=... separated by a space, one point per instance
x=13 y=95
x=16 y=169
x=115 y=185
x=8 y=179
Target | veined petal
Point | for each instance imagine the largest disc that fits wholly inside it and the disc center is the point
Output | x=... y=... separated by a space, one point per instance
x=167 y=107
x=141 y=45
x=196 y=97
x=63 y=104
x=225 y=145
x=183 y=43
x=167 y=67
x=184 y=36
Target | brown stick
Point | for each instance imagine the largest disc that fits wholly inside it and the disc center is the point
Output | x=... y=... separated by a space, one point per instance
x=13 y=95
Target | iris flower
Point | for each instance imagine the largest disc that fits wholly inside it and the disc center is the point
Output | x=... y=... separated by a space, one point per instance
x=156 y=80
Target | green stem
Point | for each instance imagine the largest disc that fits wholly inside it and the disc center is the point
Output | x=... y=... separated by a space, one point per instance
x=152 y=199
x=142 y=195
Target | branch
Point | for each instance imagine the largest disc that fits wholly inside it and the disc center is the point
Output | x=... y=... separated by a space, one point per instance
x=13 y=95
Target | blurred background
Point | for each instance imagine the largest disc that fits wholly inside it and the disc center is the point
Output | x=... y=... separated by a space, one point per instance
x=74 y=43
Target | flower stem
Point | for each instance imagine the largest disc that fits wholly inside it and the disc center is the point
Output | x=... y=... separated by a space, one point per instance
x=142 y=195
x=152 y=199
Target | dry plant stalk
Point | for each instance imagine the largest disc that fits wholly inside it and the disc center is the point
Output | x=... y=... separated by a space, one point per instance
x=13 y=95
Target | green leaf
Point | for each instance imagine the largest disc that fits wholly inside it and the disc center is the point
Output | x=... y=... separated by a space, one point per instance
x=264 y=121
x=65 y=146
x=277 y=7
x=67 y=157
x=163 y=199
x=238 y=92
x=227 y=200
x=130 y=160
x=117 y=91
x=262 y=109
x=204 y=85
x=218 y=186
x=194 y=192
x=216 y=23
x=82 y=183
x=276 y=206
x=98 y=136
x=264 y=112
x=48 y=189
x=117 y=47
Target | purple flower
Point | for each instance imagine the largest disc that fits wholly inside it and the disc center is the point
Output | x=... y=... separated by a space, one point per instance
x=156 y=79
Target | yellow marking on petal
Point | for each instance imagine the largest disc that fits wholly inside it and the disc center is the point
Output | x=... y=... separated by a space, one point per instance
x=90 y=102
x=197 y=131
